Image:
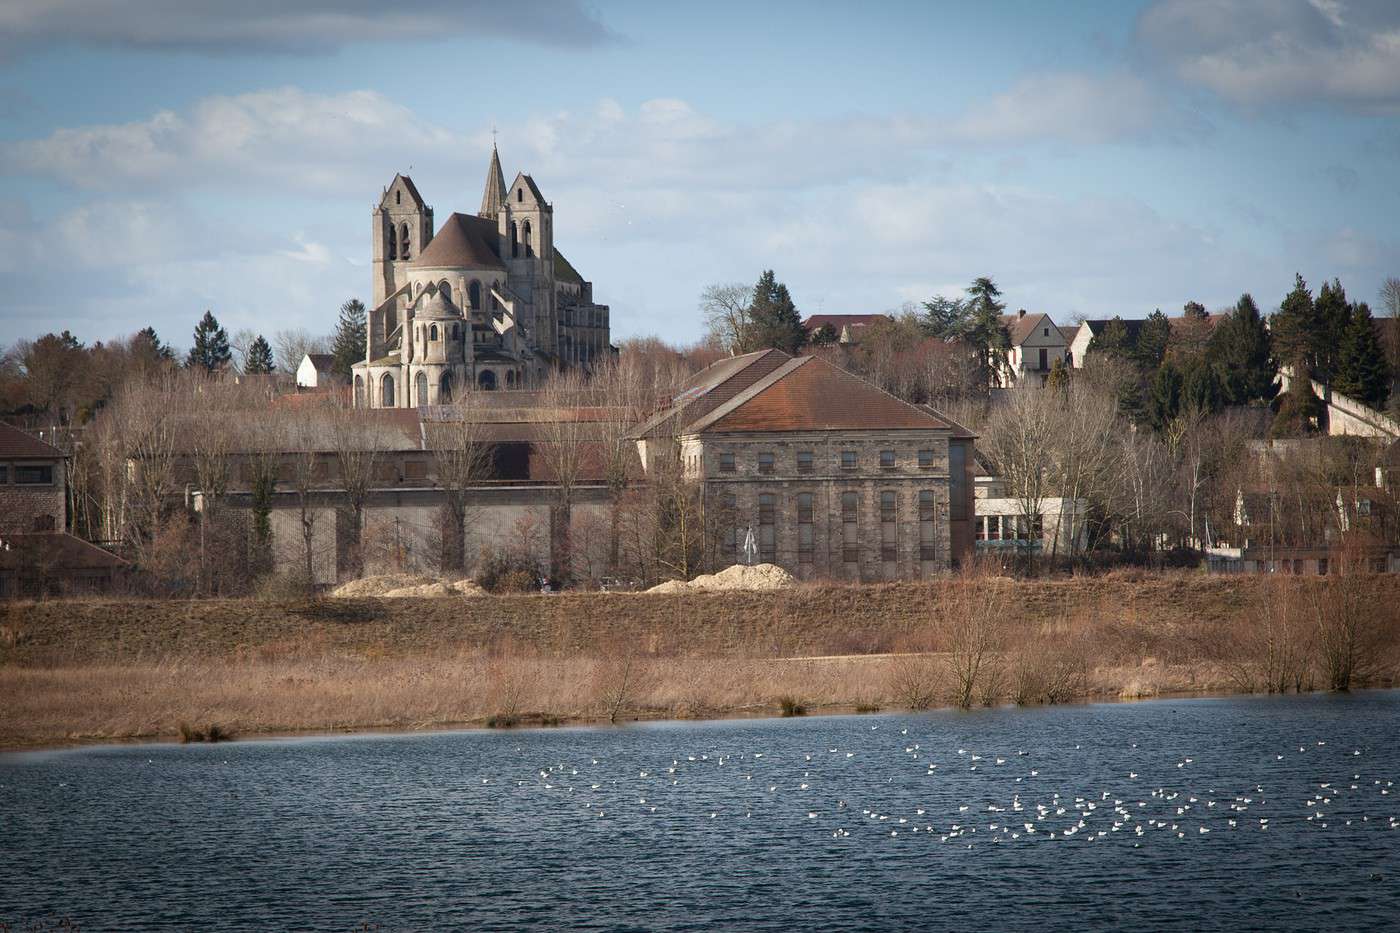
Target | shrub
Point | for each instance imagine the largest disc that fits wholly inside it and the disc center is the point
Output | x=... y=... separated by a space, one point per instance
x=791 y=707
x=507 y=573
x=212 y=733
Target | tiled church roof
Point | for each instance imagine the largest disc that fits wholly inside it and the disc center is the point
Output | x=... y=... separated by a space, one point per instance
x=463 y=241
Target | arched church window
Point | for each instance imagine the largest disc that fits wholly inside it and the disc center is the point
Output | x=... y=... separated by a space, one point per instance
x=519 y=195
x=529 y=247
x=486 y=380
x=420 y=386
x=393 y=242
x=403 y=242
x=359 y=392
x=398 y=197
x=432 y=333
x=446 y=289
x=445 y=389
x=474 y=295
x=514 y=241
x=386 y=392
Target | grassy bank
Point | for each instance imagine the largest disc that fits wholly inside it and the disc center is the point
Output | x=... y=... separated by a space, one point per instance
x=80 y=670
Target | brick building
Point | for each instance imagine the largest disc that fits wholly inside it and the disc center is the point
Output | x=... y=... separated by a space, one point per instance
x=833 y=476
x=32 y=483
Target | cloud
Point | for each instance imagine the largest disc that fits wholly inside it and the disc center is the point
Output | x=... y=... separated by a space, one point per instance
x=1261 y=52
x=1076 y=108
x=276 y=26
x=296 y=140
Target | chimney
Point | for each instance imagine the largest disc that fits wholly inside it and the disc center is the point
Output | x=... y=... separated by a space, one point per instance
x=1021 y=313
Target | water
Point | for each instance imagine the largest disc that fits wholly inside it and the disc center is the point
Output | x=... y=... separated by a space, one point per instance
x=592 y=829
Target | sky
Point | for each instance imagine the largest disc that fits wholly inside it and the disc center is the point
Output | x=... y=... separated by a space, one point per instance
x=164 y=157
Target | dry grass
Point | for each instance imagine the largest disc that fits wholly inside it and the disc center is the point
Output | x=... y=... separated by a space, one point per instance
x=82 y=670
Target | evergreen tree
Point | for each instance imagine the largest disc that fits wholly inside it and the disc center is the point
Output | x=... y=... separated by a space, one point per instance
x=1300 y=411
x=946 y=318
x=1296 y=331
x=1164 y=400
x=1194 y=311
x=825 y=336
x=982 y=329
x=349 y=346
x=773 y=318
x=259 y=360
x=1332 y=315
x=210 y=350
x=1152 y=340
x=1113 y=341
x=1241 y=350
x=148 y=344
x=1363 y=372
x=1201 y=388
x=1059 y=375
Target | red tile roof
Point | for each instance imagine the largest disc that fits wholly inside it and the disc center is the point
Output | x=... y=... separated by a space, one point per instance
x=20 y=445
x=711 y=387
x=811 y=394
x=463 y=241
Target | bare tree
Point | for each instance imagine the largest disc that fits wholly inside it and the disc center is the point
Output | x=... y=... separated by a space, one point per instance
x=1087 y=462
x=360 y=439
x=973 y=613
x=291 y=345
x=462 y=454
x=152 y=442
x=618 y=393
x=1020 y=438
x=562 y=432
x=303 y=436
x=725 y=309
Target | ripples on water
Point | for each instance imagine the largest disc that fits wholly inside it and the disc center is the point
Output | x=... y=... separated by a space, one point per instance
x=1205 y=814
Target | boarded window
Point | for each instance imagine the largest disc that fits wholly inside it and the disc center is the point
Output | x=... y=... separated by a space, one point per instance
x=804 y=527
x=849 y=502
x=767 y=528
x=928 y=538
x=888 y=526
x=415 y=469
x=729 y=506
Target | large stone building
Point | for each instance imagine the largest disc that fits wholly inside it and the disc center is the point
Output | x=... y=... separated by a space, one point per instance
x=831 y=475
x=486 y=299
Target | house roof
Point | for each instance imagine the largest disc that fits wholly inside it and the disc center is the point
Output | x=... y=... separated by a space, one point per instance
x=838 y=321
x=712 y=386
x=811 y=394
x=1020 y=326
x=58 y=549
x=21 y=445
x=322 y=361
x=463 y=241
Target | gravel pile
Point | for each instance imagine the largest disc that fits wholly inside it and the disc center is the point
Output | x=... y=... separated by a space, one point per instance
x=737 y=578
x=394 y=585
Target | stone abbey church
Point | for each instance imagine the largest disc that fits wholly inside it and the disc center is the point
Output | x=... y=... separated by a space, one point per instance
x=483 y=300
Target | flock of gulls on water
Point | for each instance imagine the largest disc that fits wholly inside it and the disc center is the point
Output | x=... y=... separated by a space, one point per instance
x=967 y=797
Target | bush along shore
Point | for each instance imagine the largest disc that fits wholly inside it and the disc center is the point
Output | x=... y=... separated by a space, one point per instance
x=87 y=670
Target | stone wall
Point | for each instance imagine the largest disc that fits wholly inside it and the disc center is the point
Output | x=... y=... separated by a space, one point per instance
x=25 y=508
x=827 y=481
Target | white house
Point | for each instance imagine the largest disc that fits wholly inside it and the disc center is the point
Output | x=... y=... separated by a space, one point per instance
x=315 y=371
x=1003 y=526
x=1035 y=343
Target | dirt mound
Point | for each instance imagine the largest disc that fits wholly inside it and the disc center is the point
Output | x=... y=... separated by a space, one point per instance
x=395 y=585
x=738 y=578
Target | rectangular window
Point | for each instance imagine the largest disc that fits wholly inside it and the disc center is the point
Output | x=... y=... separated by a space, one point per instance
x=415 y=469
x=804 y=461
x=4 y=472
x=1044 y=357
x=850 y=554
x=888 y=526
x=28 y=475
x=993 y=527
x=765 y=462
x=1322 y=566
x=982 y=528
x=848 y=459
x=957 y=481
x=767 y=528
x=726 y=463
x=728 y=521
x=926 y=460
x=887 y=459
x=804 y=527
x=848 y=507
x=928 y=541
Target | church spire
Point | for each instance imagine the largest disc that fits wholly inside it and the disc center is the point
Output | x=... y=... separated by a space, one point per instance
x=494 y=196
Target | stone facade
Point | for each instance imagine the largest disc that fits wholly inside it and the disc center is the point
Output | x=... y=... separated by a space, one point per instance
x=33 y=490
x=484 y=300
x=890 y=534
